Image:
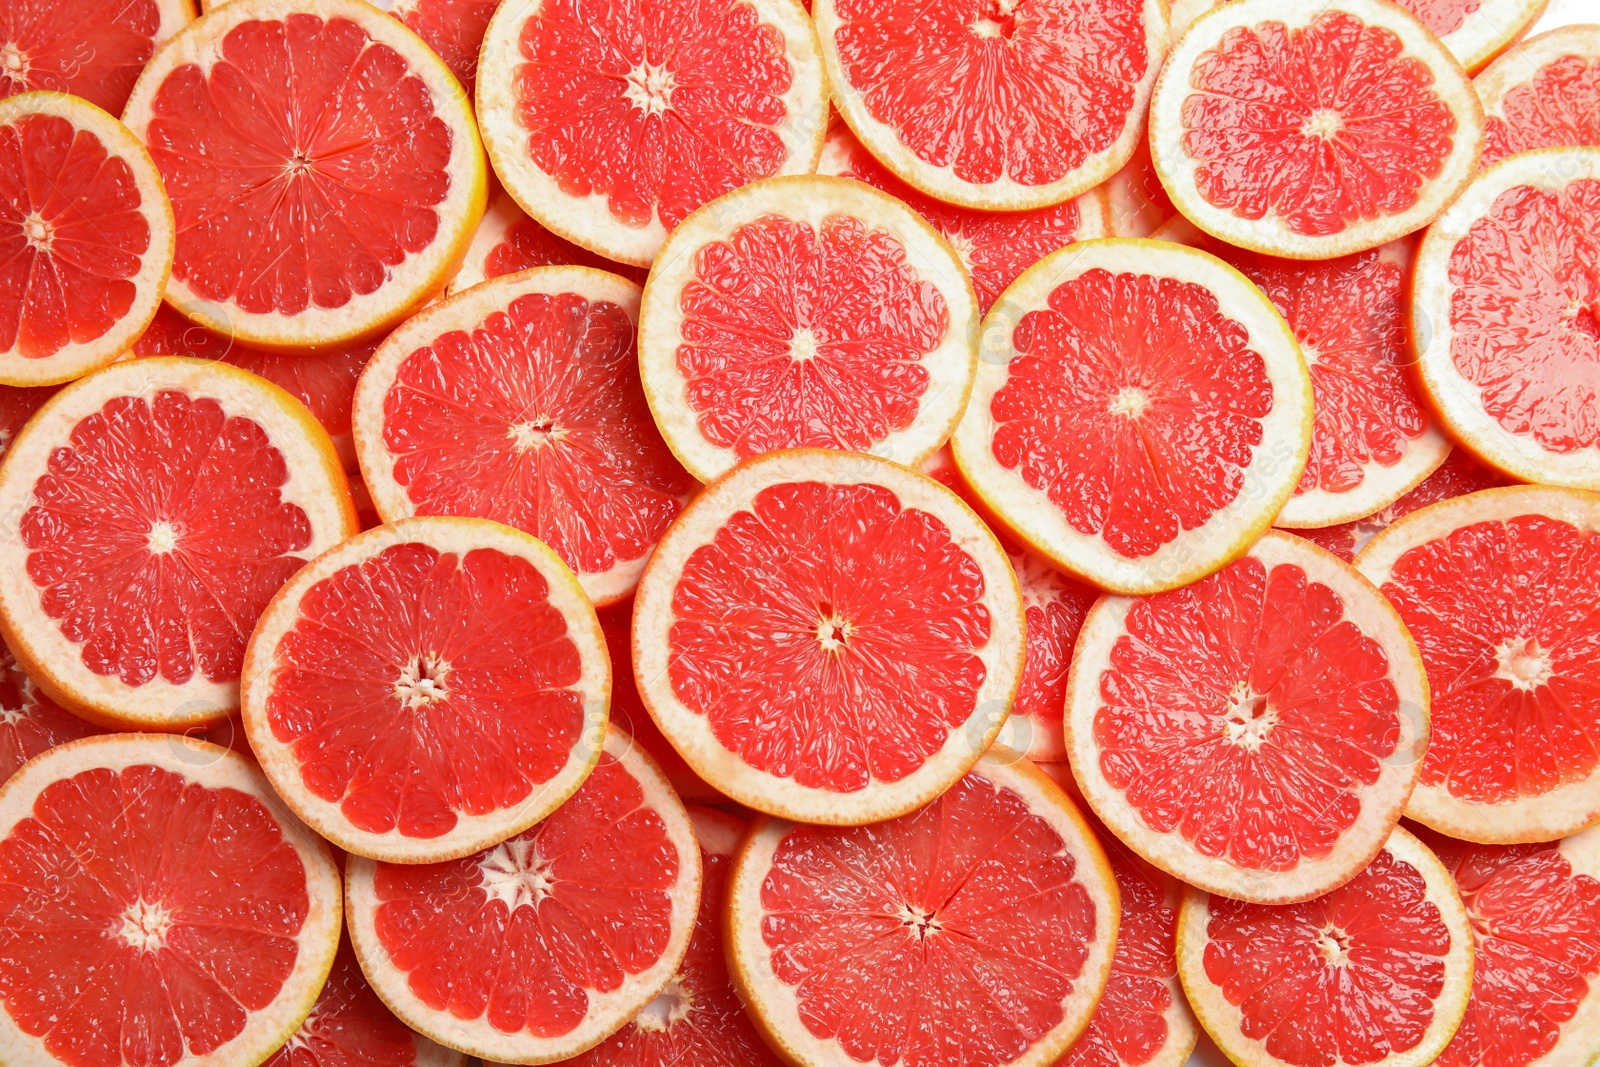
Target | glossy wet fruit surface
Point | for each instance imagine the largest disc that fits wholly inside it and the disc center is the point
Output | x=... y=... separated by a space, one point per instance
x=508 y=241
x=1543 y=93
x=452 y=28
x=89 y=48
x=30 y=722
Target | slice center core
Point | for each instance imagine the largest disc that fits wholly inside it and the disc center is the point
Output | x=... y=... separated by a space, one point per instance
x=37 y=231
x=422 y=680
x=649 y=88
x=145 y=925
x=919 y=921
x=1323 y=124
x=12 y=61
x=1248 y=720
x=803 y=345
x=515 y=875
x=537 y=432
x=672 y=1006
x=1522 y=662
x=1333 y=944
x=999 y=21
x=832 y=629
x=163 y=538
x=1130 y=402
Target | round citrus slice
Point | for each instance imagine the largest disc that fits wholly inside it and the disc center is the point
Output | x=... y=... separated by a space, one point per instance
x=519 y=400
x=508 y=241
x=323 y=165
x=994 y=246
x=17 y=405
x=160 y=908
x=828 y=637
x=1361 y=126
x=428 y=688
x=30 y=722
x=1255 y=734
x=806 y=312
x=87 y=48
x=154 y=508
x=979 y=930
x=1498 y=589
x=1375 y=972
x=544 y=945
x=1136 y=203
x=1475 y=31
x=1505 y=317
x=1542 y=93
x=1141 y=413
x=85 y=238
x=995 y=104
x=611 y=125
x=1535 y=912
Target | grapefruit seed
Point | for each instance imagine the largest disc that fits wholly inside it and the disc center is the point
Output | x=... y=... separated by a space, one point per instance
x=1542 y=93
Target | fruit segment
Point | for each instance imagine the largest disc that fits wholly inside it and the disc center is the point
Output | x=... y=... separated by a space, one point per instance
x=1475 y=31
x=87 y=48
x=507 y=241
x=1542 y=93
x=30 y=722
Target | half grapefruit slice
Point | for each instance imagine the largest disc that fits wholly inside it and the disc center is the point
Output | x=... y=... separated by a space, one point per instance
x=610 y=125
x=1376 y=972
x=542 y=946
x=87 y=48
x=1476 y=31
x=519 y=401
x=1313 y=131
x=427 y=689
x=1255 y=734
x=508 y=241
x=1141 y=413
x=978 y=930
x=1541 y=93
x=1505 y=317
x=86 y=238
x=30 y=722
x=995 y=104
x=828 y=637
x=323 y=165
x=806 y=312
x=156 y=506
x=1498 y=588
x=160 y=908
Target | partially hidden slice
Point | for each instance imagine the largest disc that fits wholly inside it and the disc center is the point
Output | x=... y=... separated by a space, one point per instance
x=1543 y=92
x=86 y=239
x=1137 y=205
x=30 y=722
x=1535 y=912
x=84 y=47
x=507 y=241
x=1377 y=972
x=154 y=508
x=160 y=908
x=519 y=401
x=1505 y=317
x=828 y=637
x=1313 y=131
x=17 y=405
x=1140 y=415
x=806 y=312
x=323 y=165
x=1255 y=734
x=610 y=125
x=427 y=688
x=900 y=942
x=1498 y=589
x=992 y=104
x=1475 y=31
x=544 y=945
x=994 y=246
x=452 y=28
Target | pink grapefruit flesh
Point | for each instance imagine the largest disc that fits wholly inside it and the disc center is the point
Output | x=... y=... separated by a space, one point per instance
x=1544 y=92
x=1475 y=31
x=508 y=241
x=94 y=49
x=30 y=722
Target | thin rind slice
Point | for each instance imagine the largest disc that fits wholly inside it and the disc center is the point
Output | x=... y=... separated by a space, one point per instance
x=988 y=103
x=424 y=690
x=1504 y=320
x=507 y=241
x=1256 y=734
x=1475 y=31
x=84 y=47
x=1240 y=451
x=837 y=944
x=1498 y=589
x=231 y=477
x=1303 y=184
x=121 y=946
x=1376 y=972
x=798 y=563
x=86 y=238
x=562 y=944
x=806 y=312
x=1542 y=93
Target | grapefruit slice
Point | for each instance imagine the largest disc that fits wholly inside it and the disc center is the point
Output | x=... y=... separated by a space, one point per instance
x=978 y=930
x=1134 y=470
x=1375 y=972
x=806 y=312
x=1475 y=31
x=1383 y=130
x=157 y=506
x=30 y=722
x=1542 y=93
x=160 y=908
x=828 y=637
x=323 y=165
x=1498 y=589
x=452 y=28
x=542 y=946
x=89 y=48
x=611 y=125
x=1255 y=734
x=1505 y=317
x=995 y=104
x=85 y=238
x=1136 y=202
x=995 y=247
x=17 y=405
x=508 y=241
x=427 y=689
x=1535 y=912
x=519 y=401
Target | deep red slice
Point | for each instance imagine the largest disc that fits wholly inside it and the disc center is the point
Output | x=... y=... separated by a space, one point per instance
x=452 y=28
x=508 y=241
x=30 y=722
x=89 y=48
x=1544 y=92
x=17 y=405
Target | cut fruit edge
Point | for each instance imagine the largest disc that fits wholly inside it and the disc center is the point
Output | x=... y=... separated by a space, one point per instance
x=690 y=732
x=1489 y=28
x=1580 y=1035
x=1037 y=522
x=1527 y=57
